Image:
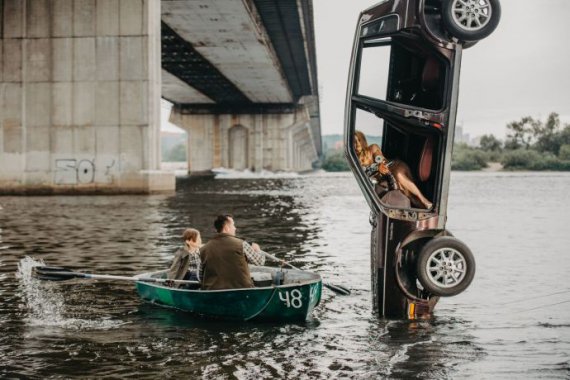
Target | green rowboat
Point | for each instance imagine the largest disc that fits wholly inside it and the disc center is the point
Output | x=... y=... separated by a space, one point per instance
x=293 y=300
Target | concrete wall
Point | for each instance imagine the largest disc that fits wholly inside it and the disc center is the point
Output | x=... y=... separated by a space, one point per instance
x=80 y=96
x=273 y=141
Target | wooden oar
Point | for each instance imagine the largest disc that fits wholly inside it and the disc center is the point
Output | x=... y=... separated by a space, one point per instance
x=62 y=274
x=335 y=288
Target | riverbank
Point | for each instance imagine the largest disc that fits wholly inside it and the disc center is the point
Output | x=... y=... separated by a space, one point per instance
x=493 y=167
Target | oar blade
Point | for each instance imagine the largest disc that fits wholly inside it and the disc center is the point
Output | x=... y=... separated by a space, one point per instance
x=45 y=277
x=52 y=273
x=339 y=289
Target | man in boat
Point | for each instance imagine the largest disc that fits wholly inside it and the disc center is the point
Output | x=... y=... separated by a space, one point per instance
x=225 y=258
x=186 y=264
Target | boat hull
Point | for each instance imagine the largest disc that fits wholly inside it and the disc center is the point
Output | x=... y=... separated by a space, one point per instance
x=289 y=302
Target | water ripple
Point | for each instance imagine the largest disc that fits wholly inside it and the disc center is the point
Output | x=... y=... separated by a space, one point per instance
x=512 y=322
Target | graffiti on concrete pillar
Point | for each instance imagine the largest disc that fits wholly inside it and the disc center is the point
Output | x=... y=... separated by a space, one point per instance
x=85 y=171
x=72 y=171
x=66 y=172
x=108 y=168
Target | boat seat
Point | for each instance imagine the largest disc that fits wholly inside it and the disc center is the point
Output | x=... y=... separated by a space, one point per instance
x=261 y=279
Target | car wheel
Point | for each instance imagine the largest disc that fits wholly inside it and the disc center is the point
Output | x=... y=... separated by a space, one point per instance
x=445 y=266
x=471 y=20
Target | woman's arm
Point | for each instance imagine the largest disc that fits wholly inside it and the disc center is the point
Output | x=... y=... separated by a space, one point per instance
x=377 y=152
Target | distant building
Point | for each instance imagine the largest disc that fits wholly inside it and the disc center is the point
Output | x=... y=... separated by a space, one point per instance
x=461 y=137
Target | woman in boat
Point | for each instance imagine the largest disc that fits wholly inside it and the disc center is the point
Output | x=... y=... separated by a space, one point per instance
x=370 y=154
x=186 y=264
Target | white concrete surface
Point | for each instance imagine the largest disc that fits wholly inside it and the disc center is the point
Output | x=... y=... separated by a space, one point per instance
x=80 y=97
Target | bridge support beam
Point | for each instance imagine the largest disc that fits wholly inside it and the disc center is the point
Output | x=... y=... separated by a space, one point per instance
x=271 y=141
x=80 y=97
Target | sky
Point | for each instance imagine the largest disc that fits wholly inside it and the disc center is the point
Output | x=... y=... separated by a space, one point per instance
x=522 y=69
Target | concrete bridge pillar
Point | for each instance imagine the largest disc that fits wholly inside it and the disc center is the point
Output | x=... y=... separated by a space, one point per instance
x=270 y=141
x=80 y=96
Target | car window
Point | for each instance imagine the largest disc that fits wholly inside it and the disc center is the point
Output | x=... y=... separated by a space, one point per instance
x=374 y=68
x=394 y=72
x=417 y=79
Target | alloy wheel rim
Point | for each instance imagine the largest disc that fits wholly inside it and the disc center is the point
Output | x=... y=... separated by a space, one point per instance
x=446 y=267
x=472 y=15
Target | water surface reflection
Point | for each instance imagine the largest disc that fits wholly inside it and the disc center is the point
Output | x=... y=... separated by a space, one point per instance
x=320 y=223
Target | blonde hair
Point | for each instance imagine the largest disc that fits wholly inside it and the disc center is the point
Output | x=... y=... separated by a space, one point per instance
x=365 y=155
x=190 y=234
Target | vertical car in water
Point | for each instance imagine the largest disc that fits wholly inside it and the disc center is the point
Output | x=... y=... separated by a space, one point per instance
x=402 y=96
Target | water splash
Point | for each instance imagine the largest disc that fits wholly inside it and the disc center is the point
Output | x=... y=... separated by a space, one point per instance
x=46 y=305
x=43 y=303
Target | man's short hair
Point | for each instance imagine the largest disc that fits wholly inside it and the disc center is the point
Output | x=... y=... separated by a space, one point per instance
x=221 y=221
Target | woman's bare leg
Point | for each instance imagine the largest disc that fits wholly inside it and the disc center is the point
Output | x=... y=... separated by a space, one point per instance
x=407 y=184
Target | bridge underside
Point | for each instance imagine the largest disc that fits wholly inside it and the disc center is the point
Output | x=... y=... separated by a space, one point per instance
x=81 y=83
x=242 y=77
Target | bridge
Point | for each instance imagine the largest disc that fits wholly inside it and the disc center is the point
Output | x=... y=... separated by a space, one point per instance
x=81 y=83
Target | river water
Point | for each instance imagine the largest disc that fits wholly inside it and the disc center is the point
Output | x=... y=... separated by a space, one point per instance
x=513 y=322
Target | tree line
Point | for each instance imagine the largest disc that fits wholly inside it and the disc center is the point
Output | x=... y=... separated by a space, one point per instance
x=531 y=144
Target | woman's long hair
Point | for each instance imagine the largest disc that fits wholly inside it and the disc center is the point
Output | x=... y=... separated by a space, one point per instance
x=364 y=156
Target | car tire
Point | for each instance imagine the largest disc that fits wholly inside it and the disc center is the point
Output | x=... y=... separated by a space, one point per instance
x=471 y=20
x=445 y=266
